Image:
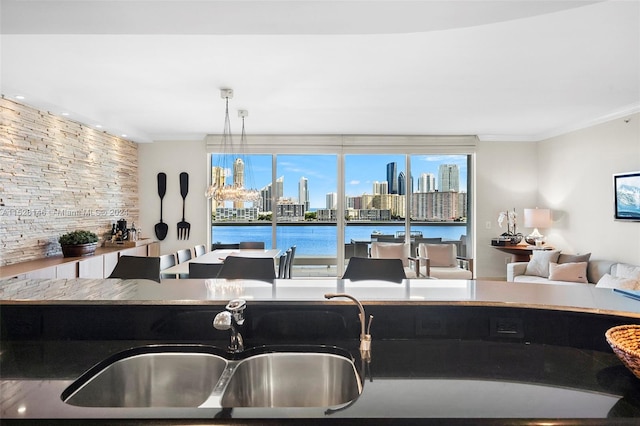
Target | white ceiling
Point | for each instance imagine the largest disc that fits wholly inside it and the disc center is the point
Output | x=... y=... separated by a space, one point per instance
x=153 y=69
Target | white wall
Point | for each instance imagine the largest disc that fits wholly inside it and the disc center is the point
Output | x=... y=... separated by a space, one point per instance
x=575 y=181
x=173 y=158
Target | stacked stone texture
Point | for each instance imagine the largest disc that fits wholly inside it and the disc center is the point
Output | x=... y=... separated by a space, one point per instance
x=57 y=175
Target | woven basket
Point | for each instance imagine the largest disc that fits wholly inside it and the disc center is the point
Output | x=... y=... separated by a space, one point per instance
x=625 y=342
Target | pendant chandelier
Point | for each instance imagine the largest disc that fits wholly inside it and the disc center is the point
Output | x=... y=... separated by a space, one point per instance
x=232 y=163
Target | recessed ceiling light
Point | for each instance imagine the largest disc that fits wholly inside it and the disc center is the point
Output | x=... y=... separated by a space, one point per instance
x=19 y=97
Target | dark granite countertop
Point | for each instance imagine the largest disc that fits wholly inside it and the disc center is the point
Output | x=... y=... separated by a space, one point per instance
x=473 y=360
x=406 y=379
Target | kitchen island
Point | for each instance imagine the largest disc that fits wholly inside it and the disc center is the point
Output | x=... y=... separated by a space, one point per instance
x=471 y=352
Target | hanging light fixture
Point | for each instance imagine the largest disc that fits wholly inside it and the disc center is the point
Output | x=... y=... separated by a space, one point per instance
x=231 y=163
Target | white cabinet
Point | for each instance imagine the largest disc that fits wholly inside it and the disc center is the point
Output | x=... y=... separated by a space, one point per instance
x=67 y=270
x=134 y=251
x=91 y=267
x=109 y=262
x=42 y=273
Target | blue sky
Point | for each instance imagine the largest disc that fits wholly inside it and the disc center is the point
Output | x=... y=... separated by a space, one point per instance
x=360 y=172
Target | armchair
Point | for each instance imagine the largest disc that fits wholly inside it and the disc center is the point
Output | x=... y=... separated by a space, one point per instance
x=442 y=261
x=402 y=251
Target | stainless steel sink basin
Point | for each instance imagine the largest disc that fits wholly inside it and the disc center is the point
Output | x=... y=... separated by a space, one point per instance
x=292 y=380
x=174 y=376
x=165 y=379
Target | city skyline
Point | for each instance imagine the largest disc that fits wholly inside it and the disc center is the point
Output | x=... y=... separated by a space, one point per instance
x=361 y=171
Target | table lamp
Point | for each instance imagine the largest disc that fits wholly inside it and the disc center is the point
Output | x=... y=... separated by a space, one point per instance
x=536 y=218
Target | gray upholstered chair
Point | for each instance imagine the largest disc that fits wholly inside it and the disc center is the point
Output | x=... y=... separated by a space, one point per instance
x=367 y=268
x=199 y=250
x=137 y=267
x=167 y=261
x=183 y=255
x=248 y=268
x=252 y=244
x=402 y=251
x=204 y=270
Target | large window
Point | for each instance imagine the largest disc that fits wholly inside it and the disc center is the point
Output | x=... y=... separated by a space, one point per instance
x=332 y=198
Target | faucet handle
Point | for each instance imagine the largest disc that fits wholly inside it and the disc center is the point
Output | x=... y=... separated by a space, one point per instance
x=236 y=308
x=222 y=321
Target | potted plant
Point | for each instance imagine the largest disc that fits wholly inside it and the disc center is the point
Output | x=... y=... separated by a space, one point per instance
x=78 y=243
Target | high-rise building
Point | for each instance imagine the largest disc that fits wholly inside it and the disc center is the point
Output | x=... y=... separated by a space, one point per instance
x=303 y=193
x=267 y=196
x=238 y=179
x=331 y=200
x=449 y=178
x=427 y=183
x=392 y=178
x=402 y=184
x=380 y=188
x=279 y=188
x=265 y=199
x=217 y=178
x=439 y=206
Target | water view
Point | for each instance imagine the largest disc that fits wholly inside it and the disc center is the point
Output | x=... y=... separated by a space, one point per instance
x=320 y=240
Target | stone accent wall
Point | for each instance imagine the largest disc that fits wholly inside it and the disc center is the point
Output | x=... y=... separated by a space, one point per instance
x=57 y=175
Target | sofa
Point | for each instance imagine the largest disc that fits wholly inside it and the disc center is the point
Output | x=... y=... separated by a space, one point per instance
x=553 y=267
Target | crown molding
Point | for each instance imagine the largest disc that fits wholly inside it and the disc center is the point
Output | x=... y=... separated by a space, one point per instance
x=613 y=115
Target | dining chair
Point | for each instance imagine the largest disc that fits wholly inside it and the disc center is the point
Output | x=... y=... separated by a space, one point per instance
x=204 y=270
x=282 y=265
x=167 y=261
x=289 y=267
x=287 y=264
x=367 y=268
x=183 y=255
x=227 y=246
x=137 y=267
x=402 y=251
x=252 y=244
x=249 y=268
x=199 y=250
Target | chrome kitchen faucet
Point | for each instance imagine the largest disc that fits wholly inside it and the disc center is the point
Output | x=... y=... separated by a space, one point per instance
x=230 y=319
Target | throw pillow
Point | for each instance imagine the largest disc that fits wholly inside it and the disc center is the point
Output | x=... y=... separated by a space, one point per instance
x=571 y=258
x=608 y=281
x=439 y=254
x=575 y=272
x=539 y=263
x=391 y=251
x=627 y=271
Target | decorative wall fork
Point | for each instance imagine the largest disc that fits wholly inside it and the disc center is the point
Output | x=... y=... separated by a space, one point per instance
x=184 y=227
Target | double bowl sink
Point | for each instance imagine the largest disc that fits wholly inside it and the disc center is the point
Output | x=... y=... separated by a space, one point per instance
x=203 y=376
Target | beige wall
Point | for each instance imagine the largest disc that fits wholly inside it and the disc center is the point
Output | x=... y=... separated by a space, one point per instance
x=575 y=181
x=506 y=178
x=58 y=175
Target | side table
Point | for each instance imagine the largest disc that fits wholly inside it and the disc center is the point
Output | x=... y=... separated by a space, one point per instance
x=520 y=252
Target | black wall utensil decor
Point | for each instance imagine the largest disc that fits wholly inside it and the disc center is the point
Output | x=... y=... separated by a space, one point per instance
x=161 y=228
x=184 y=227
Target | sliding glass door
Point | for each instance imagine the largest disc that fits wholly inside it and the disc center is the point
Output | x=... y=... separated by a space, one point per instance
x=233 y=221
x=305 y=208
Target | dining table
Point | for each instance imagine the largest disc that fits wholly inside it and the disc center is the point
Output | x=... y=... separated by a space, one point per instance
x=218 y=257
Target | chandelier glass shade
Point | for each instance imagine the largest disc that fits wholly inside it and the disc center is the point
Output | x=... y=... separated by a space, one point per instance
x=231 y=163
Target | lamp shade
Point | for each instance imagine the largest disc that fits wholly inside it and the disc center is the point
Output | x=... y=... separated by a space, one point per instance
x=537 y=218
